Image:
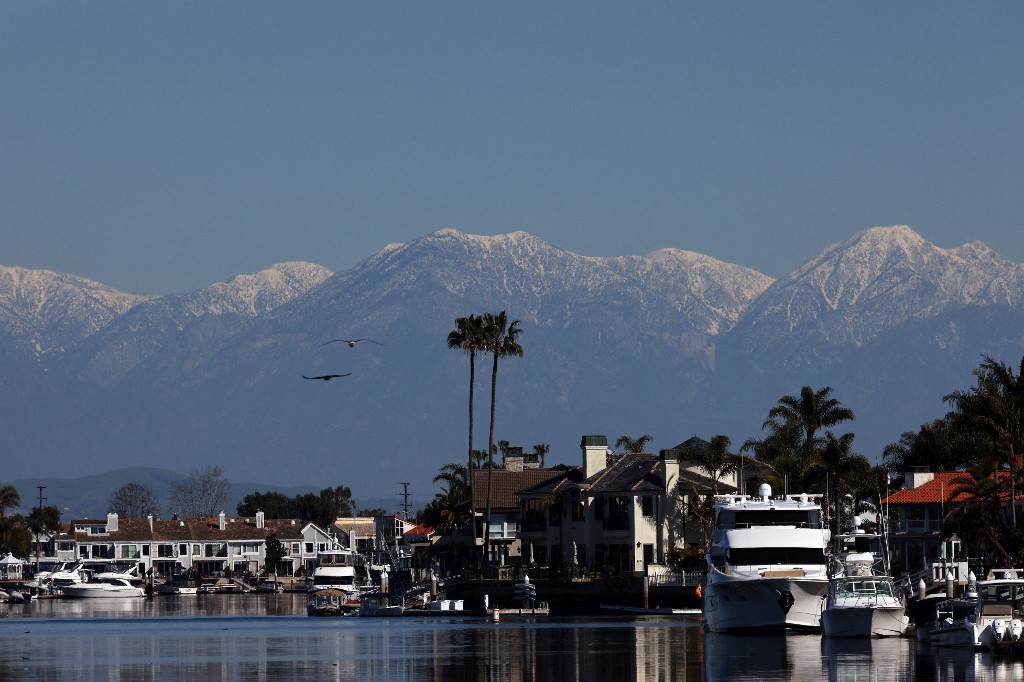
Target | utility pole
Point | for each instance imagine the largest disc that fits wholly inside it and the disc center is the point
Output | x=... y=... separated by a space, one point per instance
x=405 y=498
x=39 y=528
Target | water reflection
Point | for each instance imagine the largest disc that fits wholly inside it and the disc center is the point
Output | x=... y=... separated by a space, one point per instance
x=268 y=637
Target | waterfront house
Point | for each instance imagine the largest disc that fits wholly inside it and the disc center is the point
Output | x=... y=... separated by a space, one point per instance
x=506 y=512
x=616 y=518
x=918 y=548
x=215 y=546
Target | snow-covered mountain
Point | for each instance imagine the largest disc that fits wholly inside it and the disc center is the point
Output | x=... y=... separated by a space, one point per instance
x=670 y=344
x=872 y=283
x=42 y=313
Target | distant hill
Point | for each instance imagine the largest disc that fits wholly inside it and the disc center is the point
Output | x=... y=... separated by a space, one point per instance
x=87 y=497
x=672 y=344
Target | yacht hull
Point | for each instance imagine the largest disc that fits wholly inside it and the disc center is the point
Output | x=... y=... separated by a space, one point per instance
x=759 y=604
x=864 y=621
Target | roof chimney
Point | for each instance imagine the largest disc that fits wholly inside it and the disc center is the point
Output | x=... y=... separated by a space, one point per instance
x=670 y=467
x=595 y=454
x=150 y=519
x=259 y=520
x=917 y=477
x=111 y=522
x=220 y=520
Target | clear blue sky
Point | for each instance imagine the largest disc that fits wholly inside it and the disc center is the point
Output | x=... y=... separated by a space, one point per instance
x=161 y=146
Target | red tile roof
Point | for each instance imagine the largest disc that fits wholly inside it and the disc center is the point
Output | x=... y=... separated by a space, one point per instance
x=939 y=489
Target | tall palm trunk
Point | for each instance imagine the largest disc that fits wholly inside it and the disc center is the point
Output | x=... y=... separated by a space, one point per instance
x=490 y=458
x=469 y=464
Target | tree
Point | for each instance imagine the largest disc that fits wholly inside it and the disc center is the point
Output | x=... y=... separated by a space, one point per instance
x=133 y=501
x=9 y=498
x=542 y=449
x=633 y=445
x=501 y=340
x=995 y=407
x=811 y=411
x=780 y=452
x=978 y=519
x=939 y=444
x=715 y=462
x=274 y=505
x=370 y=513
x=451 y=506
x=275 y=552
x=468 y=336
x=202 y=494
x=43 y=520
x=14 y=536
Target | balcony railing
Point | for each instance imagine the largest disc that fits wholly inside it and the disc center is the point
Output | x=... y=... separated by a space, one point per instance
x=920 y=526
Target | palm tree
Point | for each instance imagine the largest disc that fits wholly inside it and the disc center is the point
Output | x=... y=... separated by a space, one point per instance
x=811 y=411
x=837 y=460
x=633 y=445
x=780 y=452
x=715 y=461
x=995 y=407
x=468 y=336
x=500 y=339
x=9 y=498
x=978 y=519
x=542 y=450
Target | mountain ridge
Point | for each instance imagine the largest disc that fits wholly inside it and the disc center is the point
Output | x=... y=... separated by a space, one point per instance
x=673 y=343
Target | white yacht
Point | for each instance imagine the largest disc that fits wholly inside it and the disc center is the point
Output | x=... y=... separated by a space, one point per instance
x=104 y=589
x=766 y=569
x=997 y=621
x=862 y=598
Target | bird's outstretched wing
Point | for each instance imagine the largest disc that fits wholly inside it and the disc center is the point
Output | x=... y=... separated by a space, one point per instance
x=327 y=377
x=351 y=342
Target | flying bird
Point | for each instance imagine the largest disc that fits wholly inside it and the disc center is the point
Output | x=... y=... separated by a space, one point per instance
x=351 y=342
x=327 y=377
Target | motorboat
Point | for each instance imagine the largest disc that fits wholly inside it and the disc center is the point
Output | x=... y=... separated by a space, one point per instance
x=997 y=622
x=767 y=565
x=379 y=606
x=862 y=599
x=337 y=570
x=331 y=602
x=177 y=588
x=103 y=589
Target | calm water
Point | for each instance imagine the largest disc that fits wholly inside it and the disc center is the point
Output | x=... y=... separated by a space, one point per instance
x=269 y=637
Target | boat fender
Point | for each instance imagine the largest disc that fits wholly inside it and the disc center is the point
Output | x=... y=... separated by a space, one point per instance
x=786 y=600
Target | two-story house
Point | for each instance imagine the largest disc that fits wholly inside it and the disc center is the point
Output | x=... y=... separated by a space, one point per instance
x=597 y=517
x=203 y=546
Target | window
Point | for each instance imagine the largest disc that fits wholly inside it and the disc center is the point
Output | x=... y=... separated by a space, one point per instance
x=129 y=551
x=197 y=550
x=296 y=547
x=309 y=548
x=165 y=551
x=145 y=550
x=579 y=509
x=647 y=505
x=183 y=550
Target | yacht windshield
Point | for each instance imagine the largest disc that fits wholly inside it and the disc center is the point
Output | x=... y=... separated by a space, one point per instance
x=767 y=556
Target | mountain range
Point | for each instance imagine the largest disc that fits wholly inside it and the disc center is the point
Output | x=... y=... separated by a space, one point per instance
x=672 y=344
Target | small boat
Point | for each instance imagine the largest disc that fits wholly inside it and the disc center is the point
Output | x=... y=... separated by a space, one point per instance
x=862 y=600
x=331 y=602
x=379 y=606
x=103 y=589
x=640 y=610
x=171 y=587
x=997 y=622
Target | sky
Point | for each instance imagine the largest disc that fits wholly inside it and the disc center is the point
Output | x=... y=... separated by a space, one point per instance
x=161 y=147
